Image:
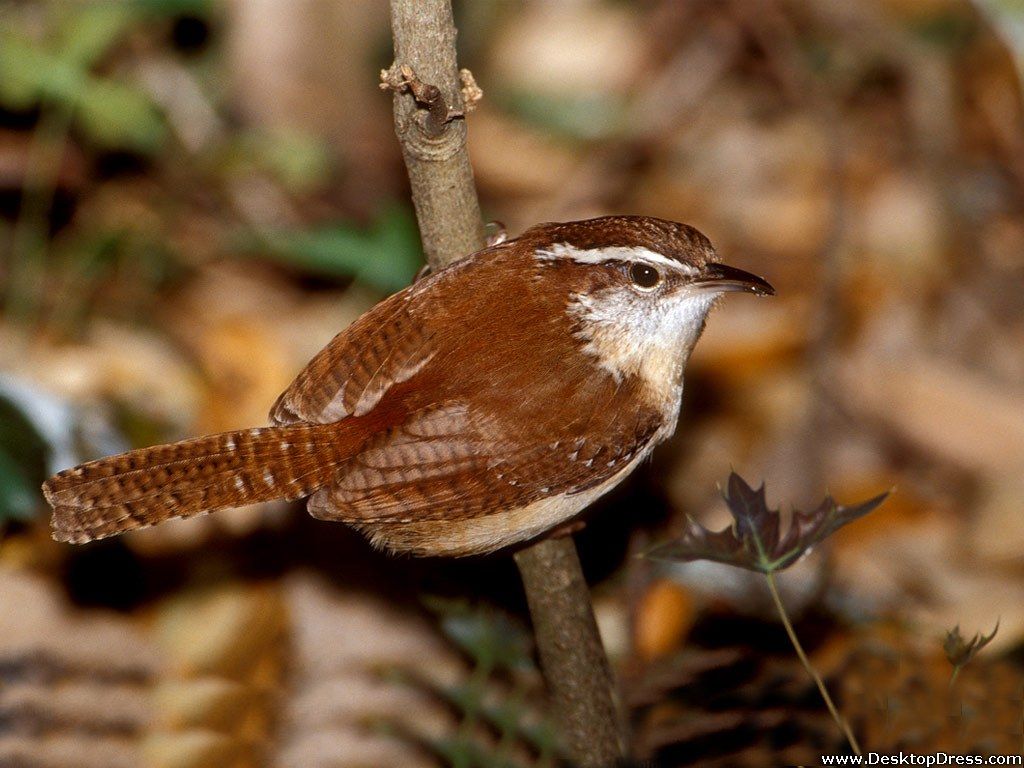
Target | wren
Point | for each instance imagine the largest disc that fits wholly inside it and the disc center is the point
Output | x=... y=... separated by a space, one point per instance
x=478 y=408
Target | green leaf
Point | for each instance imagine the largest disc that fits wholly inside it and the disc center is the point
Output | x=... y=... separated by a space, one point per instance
x=386 y=255
x=397 y=254
x=87 y=34
x=755 y=540
x=492 y=640
x=19 y=499
x=583 y=116
x=299 y=161
x=461 y=751
x=118 y=116
x=28 y=74
x=488 y=636
x=24 y=464
x=166 y=8
x=947 y=30
x=110 y=113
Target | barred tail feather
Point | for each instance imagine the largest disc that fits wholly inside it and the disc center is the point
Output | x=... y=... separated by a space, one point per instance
x=147 y=486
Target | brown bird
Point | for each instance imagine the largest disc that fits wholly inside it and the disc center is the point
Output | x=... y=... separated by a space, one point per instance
x=480 y=407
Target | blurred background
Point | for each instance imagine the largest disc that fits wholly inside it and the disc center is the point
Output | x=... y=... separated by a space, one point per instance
x=196 y=195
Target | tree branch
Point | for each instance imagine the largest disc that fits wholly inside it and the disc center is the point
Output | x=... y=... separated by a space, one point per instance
x=433 y=144
x=428 y=108
x=574 y=662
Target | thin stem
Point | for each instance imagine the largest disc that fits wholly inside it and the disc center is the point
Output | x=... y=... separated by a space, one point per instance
x=840 y=720
x=953 y=677
x=575 y=667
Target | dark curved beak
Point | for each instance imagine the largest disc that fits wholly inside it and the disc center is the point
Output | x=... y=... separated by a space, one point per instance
x=721 y=278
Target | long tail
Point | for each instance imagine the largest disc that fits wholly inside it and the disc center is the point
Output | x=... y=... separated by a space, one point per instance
x=147 y=486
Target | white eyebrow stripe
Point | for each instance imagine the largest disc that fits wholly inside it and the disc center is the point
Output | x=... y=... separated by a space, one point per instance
x=616 y=253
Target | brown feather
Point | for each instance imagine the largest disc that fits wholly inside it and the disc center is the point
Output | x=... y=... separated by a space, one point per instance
x=147 y=486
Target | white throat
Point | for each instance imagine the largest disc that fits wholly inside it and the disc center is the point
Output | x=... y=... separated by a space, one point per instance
x=629 y=334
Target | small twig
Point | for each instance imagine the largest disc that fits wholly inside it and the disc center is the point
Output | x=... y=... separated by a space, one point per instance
x=437 y=114
x=840 y=720
x=440 y=174
x=472 y=94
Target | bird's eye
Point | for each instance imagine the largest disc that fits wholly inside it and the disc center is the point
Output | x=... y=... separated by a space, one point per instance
x=644 y=275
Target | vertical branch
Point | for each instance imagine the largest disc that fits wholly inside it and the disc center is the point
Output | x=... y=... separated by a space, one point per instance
x=432 y=132
x=434 y=146
x=574 y=662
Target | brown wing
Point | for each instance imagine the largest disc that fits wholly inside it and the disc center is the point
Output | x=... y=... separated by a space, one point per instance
x=448 y=463
x=387 y=346
x=384 y=347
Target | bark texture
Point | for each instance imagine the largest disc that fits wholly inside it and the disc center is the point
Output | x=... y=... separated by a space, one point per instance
x=574 y=662
x=440 y=173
